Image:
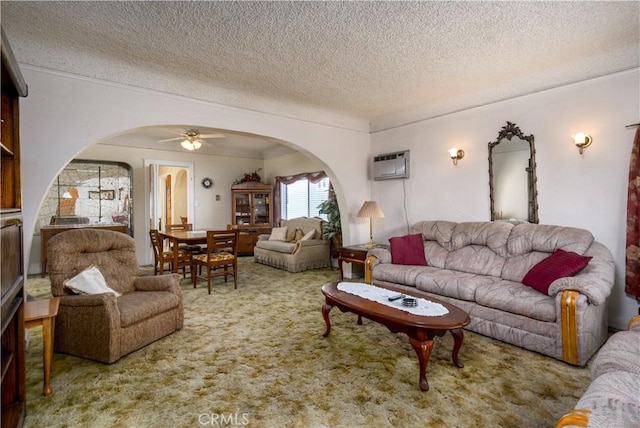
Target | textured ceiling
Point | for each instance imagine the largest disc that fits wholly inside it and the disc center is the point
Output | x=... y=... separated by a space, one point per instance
x=363 y=65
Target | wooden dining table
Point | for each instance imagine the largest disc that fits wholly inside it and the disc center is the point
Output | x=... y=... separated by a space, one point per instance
x=177 y=237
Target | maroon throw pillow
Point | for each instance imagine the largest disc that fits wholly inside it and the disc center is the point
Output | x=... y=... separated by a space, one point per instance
x=408 y=250
x=560 y=264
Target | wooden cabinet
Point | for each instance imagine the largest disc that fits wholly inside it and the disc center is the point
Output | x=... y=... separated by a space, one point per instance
x=248 y=236
x=11 y=245
x=251 y=204
x=251 y=213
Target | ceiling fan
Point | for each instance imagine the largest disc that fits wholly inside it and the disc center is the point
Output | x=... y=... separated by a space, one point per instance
x=192 y=139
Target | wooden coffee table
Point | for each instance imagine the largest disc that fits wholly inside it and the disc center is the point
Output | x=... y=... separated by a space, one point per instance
x=420 y=329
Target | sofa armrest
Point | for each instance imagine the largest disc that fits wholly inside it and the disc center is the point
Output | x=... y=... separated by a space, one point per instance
x=263 y=237
x=383 y=255
x=634 y=324
x=595 y=281
x=158 y=283
x=89 y=326
x=575 y=418
x=309 y=243
x=595 y=291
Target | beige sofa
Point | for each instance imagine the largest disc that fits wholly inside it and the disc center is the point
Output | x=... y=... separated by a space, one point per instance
x=295 y=256
x=479 y=267
x=104 y=327
x=613 y=397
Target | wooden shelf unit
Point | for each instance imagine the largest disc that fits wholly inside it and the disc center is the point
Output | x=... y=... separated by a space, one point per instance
x=251 y=213
x=11 y=244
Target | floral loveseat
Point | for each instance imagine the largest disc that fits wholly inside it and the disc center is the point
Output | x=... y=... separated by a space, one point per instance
x=480 y=266
x=612 y=399
x=293 y=251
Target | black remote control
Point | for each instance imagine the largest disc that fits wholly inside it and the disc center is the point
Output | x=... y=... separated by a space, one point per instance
x=396 y=297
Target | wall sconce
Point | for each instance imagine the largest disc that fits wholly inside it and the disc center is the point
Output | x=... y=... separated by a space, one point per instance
x=456 y=154
x=582 y=141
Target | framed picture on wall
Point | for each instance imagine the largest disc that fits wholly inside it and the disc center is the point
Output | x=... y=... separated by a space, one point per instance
x=103 y=194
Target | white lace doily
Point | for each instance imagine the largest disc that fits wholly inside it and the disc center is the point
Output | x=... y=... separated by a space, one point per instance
x=381 y=295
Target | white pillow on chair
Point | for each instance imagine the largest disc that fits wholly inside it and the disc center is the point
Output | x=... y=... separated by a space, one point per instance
x=89 y=281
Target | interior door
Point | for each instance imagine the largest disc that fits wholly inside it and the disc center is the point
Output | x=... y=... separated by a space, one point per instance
x=158 y=205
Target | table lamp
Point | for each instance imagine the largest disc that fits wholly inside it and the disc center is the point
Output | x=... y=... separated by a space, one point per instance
x=370 y=210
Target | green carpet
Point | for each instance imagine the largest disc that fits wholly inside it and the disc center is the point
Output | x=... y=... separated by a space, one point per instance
x=256 y=357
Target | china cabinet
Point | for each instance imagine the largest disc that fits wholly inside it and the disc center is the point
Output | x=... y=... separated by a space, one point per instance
x=11 y=245
x=251 y=213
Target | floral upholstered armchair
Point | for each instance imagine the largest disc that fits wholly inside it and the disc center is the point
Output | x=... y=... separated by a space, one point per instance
x=106 y=310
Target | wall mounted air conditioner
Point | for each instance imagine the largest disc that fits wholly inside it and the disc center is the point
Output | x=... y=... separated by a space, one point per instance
x=391 y=165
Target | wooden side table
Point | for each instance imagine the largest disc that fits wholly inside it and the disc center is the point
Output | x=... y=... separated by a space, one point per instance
x=43 y=313
x=354 y=254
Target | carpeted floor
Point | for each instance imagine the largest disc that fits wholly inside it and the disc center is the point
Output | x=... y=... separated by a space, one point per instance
x=256 y=357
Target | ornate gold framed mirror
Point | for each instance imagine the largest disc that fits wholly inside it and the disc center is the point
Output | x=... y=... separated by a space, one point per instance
x=513 y=189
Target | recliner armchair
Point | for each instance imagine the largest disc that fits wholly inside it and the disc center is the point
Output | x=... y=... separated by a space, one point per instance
x=295 y=256
x=104 y=327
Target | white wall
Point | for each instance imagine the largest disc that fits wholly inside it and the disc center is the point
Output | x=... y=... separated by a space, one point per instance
x=587 y=192
x=63 y=115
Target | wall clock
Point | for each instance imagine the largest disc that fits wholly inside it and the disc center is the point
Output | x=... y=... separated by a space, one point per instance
x=207 y=182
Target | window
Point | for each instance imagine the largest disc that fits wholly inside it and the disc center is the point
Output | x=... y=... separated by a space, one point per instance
x=301 y=198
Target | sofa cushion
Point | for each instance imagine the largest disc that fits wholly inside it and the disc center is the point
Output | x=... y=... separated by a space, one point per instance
x=435 y=254
x=558 y=265
x=619 y=353
x=439 y=231
x=528 y=237
x=277 y=246
x=400 y=274
x=479 y=247
x=491 y=234
x=141 y=305
x=459 y=285
x=407 y=250
x=518 y=299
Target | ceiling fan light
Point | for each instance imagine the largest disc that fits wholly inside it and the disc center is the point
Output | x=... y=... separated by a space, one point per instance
x=196 y=145
x=186 y=144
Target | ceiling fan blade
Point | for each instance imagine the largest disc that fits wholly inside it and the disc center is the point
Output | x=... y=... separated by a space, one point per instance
x=171 y=139
x=212 y=135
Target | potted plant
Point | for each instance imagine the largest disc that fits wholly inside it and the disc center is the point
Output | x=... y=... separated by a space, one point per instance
x=332 y=228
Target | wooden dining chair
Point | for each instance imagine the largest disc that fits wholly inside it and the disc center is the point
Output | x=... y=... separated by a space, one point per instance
x=220 y=258
x=182 y=226
x=162 y=258
x=187 y=227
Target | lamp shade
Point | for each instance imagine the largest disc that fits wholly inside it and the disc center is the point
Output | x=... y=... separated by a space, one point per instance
x=370 y=209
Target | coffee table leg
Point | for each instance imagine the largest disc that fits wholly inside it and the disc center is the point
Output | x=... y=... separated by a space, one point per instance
x=458 y=336
x=325 y=314
x=423 y=350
